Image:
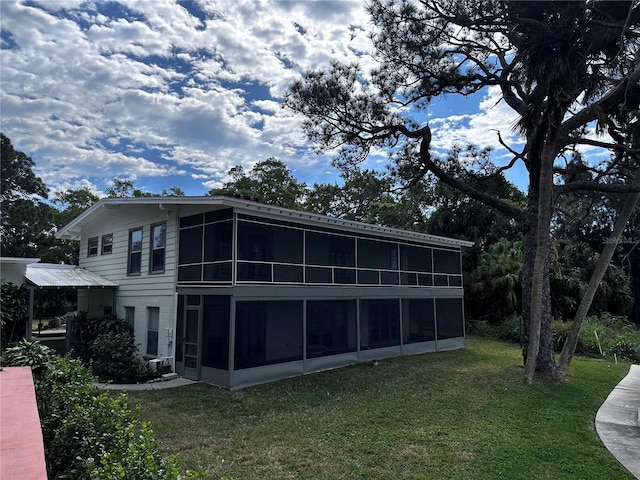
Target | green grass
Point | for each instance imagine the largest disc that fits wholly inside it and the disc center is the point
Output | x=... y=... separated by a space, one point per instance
x=452 y=415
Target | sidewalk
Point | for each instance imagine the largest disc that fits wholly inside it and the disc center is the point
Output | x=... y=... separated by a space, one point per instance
x=618 y=421
x=158 y=385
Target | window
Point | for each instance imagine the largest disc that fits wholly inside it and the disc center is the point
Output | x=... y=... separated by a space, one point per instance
x=415 y=259
x=446 y=261
x=267 y=333
x=157 y=245
x=130 y=316
x=92 y=247
x=107 y=244
x=269 y=243
x=153 y=321
x=418 y=320
x=379 y=323
x=331 y=327
x=135 y=252
x=449 y=318
x=378 y=255
x=326 y=249
x=215 y=332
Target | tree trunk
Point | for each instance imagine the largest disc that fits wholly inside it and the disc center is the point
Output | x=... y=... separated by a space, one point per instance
x=539 y=281
x=545 y=362
x=570 y=344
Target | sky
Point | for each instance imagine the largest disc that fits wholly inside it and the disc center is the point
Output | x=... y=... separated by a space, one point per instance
x=175 y=93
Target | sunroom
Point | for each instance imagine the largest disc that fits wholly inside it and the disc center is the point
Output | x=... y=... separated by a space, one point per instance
x=265 y=294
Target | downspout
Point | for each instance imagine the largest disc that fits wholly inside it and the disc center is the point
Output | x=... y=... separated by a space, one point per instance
x=172 y=334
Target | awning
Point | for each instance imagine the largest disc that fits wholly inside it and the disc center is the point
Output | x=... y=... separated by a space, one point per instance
x=50 y=275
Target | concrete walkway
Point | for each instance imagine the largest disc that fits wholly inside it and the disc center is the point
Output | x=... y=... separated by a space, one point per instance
x=167 y=382
x=618 y=421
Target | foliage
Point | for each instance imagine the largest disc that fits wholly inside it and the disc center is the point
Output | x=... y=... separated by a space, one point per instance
x=113 y=356
x=87 y=434
x=32 y=354
x=496 y=283
x=14 y=311
x=17 y=179
x=461 y=414
x=560 y=66
x=269 y=181
x=602 y=335
x=89 y=328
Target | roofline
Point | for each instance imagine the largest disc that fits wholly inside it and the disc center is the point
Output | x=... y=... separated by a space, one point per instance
x=72 y=230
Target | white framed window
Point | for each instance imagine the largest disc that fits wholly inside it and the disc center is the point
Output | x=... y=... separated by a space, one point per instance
x=92 y=247
x=153 y=323
x=157 y=246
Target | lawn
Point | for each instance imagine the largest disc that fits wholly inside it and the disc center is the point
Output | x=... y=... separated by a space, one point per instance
x=453 y=415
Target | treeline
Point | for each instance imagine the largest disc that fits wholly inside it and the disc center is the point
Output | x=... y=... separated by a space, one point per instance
x=582 y=225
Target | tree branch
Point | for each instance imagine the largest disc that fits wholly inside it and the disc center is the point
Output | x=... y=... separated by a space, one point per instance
x=426 y=164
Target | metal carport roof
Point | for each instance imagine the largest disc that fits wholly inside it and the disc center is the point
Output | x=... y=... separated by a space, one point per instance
x=50 y=275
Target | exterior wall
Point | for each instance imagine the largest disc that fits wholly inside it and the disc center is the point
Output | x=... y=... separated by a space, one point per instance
x=136 y=294
x=242 y=377
x=138 y=291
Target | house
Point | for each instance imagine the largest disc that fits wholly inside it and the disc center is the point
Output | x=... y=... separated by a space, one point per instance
x=234 y=292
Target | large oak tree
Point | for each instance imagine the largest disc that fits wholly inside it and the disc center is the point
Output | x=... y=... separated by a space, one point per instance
x=569 y=70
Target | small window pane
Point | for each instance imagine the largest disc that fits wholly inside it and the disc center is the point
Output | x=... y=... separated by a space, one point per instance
x=248 y=271
x=318 y=275
x=344 y=276
x=217 y=271
x=455 y=281
x=425 y=280
x=192 y=273
x=440 y=280
x=408 y=279
x=287 y=273
x=368 y=277
x=389 y=278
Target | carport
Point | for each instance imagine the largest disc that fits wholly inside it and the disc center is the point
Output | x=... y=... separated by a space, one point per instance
x=53 y=276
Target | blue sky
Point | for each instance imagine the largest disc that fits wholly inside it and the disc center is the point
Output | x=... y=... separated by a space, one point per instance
x=171 y=93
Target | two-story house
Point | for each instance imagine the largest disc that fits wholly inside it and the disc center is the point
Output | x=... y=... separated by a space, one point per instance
x=234 y=292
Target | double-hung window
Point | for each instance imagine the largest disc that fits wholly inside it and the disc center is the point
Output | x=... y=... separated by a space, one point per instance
x=157 y=245
x=135 y=252
x=107 y=243
x=92 y=247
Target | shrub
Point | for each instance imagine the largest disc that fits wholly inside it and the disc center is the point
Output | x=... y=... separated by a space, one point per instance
x=602 y=335
x=30 y=354
x=87 y=434
x=113 y=356
x=511 y=329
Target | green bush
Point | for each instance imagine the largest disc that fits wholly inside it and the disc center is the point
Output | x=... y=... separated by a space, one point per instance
x=87 y=434
x=113 y=356
x=30 y=354
x=602 y=335
x=511 y=329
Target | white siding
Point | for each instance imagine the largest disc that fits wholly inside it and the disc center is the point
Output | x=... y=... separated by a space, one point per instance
x=138 y=291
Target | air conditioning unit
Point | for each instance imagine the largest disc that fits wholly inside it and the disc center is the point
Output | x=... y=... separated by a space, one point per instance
x=155 y=364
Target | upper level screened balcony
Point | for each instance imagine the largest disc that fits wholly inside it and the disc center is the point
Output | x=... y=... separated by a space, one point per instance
x=267 y=251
